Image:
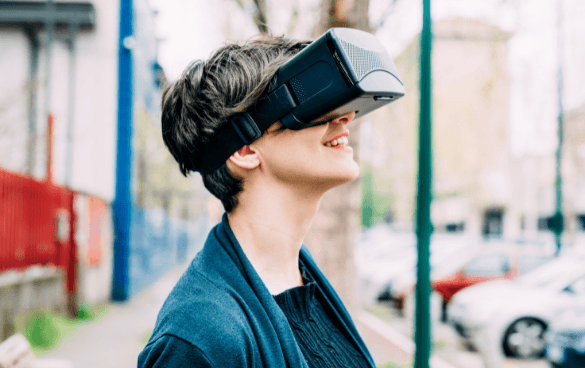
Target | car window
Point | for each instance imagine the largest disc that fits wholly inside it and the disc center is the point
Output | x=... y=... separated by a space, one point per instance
x=488 y=265
x=528 y=262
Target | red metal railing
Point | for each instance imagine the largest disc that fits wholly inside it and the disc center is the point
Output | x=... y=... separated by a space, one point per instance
x=36 y=223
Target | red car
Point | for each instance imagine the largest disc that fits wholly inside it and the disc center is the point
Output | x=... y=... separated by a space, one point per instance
x=491 y=264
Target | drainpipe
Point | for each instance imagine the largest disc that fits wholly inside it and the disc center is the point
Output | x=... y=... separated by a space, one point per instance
x=73 y=30
x=32 y=103
x=122 y=206
x=50 y=31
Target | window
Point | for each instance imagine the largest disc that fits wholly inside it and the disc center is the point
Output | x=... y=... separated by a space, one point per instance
x=488 y=265
x=492 y=223
x=550 y=223
x=455 y=227
x=580 y=222
x=543 y=223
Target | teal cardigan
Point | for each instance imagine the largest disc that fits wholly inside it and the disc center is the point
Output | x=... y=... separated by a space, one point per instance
x=220 y=314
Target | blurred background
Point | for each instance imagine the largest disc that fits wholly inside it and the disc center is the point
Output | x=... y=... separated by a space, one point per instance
x=97 y=223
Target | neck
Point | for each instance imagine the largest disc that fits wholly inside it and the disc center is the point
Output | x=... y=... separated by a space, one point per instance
x=270 y=226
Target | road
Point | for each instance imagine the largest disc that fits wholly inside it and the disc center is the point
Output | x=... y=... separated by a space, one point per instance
x=446 y=343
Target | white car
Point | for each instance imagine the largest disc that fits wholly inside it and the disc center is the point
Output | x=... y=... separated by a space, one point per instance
x=515 y=314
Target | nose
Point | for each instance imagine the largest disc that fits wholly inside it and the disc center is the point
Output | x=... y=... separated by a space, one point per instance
x=345 y=119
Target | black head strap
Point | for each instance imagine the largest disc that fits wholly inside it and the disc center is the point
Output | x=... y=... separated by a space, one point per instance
x=244 y=128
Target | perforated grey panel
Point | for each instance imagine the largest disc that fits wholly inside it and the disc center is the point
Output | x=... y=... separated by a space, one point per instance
x=298 y=89
x=363 y=61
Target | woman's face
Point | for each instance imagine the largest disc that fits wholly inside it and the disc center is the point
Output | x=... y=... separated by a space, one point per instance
x=317 y=157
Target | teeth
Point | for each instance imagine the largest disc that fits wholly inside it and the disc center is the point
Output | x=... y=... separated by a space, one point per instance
x=336 y=142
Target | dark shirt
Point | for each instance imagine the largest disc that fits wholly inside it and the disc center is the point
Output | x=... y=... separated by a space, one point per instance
x=321 y=341
x=220 y=314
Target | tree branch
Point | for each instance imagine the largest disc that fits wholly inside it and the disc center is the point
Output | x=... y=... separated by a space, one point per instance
x=260 y=16
x=389 y=10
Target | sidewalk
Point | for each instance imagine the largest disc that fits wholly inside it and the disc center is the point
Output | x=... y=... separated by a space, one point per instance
x=115 y=339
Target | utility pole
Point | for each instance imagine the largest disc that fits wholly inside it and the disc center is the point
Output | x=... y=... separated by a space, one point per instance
x=122 y=206
x=422 y=333
x=558 y=220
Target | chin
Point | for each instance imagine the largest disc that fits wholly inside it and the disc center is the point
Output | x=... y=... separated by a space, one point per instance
x=353 y=171
x=349 y=173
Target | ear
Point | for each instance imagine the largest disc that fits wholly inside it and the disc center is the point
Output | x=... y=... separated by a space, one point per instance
x=246 y=158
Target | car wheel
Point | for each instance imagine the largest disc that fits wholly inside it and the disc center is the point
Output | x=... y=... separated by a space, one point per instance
x=525 y=338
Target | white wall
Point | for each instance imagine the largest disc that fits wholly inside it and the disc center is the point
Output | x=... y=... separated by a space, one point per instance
x=95 y=132
x=14 y=86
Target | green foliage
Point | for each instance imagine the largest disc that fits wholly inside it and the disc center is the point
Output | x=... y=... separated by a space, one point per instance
x=85 y=313
x=367 y=208
x=41 y=330
x=376 y=197
x=44 y=329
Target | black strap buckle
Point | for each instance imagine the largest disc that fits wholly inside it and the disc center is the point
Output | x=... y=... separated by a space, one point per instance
x=246 y=127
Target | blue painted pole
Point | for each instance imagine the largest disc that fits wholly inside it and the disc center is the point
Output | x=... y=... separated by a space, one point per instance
x=122 y=206
x=422 y=333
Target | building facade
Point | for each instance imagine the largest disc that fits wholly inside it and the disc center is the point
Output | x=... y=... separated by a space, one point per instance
x=481 y=185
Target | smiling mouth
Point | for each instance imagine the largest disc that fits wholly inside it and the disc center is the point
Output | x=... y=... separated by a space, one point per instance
x=338 y=142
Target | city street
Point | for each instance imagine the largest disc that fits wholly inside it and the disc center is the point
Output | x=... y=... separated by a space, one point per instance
x=115 y=339
x=447 y=344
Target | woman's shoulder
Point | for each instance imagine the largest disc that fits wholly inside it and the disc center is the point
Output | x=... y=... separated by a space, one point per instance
x=170 y=351
x=198 y=300
x=203 y=317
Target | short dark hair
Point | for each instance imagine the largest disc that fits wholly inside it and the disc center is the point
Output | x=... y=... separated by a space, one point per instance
x=195 y=107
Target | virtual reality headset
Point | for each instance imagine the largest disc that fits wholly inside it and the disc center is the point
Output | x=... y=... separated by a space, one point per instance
x=345 y=70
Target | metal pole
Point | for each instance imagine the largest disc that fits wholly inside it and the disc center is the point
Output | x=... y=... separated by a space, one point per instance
x=122 y=206
x=73 y=29
x=422 y=321
x=558 y=222
x=50 y=31
x=32 y=117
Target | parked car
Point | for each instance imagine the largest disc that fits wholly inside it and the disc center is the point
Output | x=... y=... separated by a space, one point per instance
x=382 y=256
x=445 y=259
x=517 y=313
x=565 y=339
x=500 y=261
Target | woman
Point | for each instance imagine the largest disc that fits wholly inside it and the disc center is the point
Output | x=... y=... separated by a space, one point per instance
x=253 y=296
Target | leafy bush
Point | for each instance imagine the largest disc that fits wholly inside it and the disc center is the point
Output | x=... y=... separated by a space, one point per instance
x=41 y=330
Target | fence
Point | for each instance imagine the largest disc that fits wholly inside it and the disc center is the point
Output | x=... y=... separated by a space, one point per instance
x=158 y=242
x=36 y=225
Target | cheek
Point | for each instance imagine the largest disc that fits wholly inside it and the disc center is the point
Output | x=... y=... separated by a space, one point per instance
x=286 y=160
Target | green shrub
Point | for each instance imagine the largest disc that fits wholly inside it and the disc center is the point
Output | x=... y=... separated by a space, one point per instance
x=85 y=312
x=41 y=330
